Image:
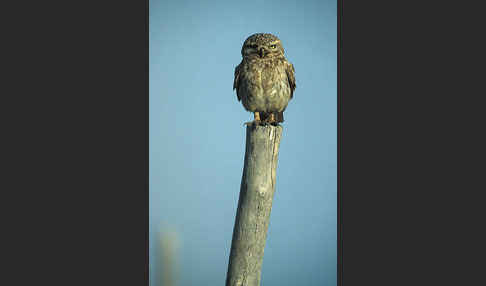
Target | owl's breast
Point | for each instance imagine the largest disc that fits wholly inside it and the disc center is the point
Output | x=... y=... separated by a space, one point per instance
x=264 y=86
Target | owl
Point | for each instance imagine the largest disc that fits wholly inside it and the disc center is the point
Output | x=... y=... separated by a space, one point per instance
x=264 y=80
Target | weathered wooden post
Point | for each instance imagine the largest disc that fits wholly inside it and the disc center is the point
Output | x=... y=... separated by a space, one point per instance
x=254 y=205
x=168 y=252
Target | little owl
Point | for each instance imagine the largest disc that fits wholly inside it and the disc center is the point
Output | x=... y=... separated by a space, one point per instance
x=264 y=80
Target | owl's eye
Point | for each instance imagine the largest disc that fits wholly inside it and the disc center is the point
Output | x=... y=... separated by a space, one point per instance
x=252 y=46
x=273 y=46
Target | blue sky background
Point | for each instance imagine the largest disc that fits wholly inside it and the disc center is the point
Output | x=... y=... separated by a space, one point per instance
x=197 y=138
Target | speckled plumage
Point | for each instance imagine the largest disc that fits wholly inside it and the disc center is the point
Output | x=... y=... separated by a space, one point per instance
x=264 y=80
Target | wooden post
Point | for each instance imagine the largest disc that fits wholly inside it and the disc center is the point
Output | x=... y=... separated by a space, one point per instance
x=168 y=257
x=254 y=205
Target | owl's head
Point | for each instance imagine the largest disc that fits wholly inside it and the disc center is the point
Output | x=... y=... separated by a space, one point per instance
x=263 y=46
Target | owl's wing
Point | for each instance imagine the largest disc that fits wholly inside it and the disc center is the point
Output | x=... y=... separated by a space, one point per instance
x=291 y=77
x=236 y=81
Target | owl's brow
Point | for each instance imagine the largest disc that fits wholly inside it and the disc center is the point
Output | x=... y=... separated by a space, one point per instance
x=255 y=44
x=251 y=46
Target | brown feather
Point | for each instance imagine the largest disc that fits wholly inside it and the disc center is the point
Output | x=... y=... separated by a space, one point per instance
x=291 y=77
x=236 y=81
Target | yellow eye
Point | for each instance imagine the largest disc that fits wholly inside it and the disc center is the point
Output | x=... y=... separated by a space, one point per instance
x=273 y=46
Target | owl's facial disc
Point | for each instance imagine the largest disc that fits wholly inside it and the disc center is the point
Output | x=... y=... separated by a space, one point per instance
x=262 y=49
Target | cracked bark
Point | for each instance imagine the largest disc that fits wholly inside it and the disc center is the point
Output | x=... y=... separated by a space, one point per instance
x=254 y=205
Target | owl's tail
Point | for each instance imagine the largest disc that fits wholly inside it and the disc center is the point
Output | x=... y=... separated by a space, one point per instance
x=279 y=116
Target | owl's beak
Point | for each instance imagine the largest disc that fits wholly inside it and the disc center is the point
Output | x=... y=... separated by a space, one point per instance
x=262 y=52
